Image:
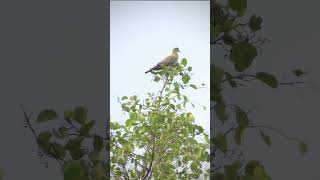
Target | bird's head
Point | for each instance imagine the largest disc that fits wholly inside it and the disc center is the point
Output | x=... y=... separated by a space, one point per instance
x=175 y=50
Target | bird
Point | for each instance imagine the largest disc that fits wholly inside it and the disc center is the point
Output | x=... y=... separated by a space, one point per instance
x=166 y=62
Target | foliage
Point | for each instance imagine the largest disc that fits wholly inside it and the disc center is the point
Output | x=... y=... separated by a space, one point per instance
x=160 y=139
x=73 y=144
x=239 y=35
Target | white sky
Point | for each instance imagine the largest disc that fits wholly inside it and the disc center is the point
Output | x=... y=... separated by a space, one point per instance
x=143 y=33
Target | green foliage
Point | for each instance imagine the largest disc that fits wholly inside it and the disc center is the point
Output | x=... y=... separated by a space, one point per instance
x=268 y=79
x=238 y=33
x=160 y=134
x=46 y=115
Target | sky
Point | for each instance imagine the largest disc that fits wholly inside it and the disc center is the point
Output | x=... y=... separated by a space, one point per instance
x=143 y=33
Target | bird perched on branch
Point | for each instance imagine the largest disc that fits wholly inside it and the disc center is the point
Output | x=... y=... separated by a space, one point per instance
x=168 y=61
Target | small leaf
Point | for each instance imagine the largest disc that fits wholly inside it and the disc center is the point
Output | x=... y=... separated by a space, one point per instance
x=157 y=78
x=221 y=142
x=189 y=68
x=298 y=72
x=193 y=86
x=184 y=62
x=97 y=142
x=242 y=118
x=242 y=55
x=265 y=138
x=268 y=79
x=124 y=98
x=80 y=114
x=238 y=135
x=303 y=147
x=74 y=171
x=46 y=115
x=85 y=129
x=185 y=78
x=57 y=149
x=238 y=6
x=43 y=139
x=255 y=23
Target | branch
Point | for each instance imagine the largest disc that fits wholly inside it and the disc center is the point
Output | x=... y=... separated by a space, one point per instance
x=27 y=120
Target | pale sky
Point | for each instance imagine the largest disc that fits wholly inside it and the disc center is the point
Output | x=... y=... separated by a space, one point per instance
x=143 y=33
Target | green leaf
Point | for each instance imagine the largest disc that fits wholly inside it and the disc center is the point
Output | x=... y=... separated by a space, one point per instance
x=298 y=72
x=57 y=149
x=242 y=118
x=184 y=62
x=97 y=142
x=255 y=23
x=43 y=139
x=157 y=78
x=238 y=6
x=68 y=114
x=193 y=86
x=74 y=171
x=268 y=79
x=185 y=78
x=74 y=143
x=124 y=98
x=189 y=68
x=265 y=138
x=80 y=114
x=95 y=155
x=221 y=112
x=242 y=55
x=238 y=135
x=46 y=115
x=303 y=147
x=221 y=142
x=85 y=129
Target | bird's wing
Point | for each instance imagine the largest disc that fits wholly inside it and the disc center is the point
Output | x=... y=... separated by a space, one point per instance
x=168 y=61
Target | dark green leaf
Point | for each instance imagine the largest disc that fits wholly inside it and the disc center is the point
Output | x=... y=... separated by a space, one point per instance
x=242 y=118
x=268 y=79
x=57 y=149
x=255 y=23
x=85 y=129
x=46 y=115
x=193 y=86
x=97 y=142
x=265 y=138
x=303 y=147
x=242 y=55
x=298 y=72
x=238 y=6
x=74 y=171
x=80 y=114
x=221 y=142
x=43 y=139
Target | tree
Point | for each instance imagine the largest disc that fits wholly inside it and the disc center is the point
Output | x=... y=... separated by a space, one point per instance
x=238 y=35
x=160 y=140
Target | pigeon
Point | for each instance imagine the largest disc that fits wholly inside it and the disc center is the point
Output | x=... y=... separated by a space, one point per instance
x=166 y=62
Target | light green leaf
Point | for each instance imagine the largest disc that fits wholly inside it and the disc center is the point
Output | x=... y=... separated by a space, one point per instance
x=185 y=78
x=184 y=62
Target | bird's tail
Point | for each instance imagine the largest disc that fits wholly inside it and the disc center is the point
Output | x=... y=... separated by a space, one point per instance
x=148 y=71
